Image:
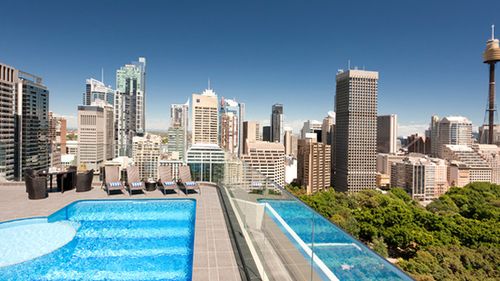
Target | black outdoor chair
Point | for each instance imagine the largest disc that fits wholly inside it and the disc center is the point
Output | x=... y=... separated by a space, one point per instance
x=84 y=181
x=36 y=186
x=69 y=180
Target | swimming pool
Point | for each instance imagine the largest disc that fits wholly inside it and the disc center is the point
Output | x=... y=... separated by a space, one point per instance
x=343 y=256
x=118 y=240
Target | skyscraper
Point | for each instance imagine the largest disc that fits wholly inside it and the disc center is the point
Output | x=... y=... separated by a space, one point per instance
x=277 y=123
x=268 y=159
x=387 y=128
x=146 y=155
x=95 y=134
x=251 y=132
x=313 y=165
x=32 y=125
x=57 y=137
x=177 y=133
x=456 y=130
x=96 y=89
x=130 y=105
x=231 y=116
x=205 y=121
x=8 y=81
x=356 y=130
x=266 y=133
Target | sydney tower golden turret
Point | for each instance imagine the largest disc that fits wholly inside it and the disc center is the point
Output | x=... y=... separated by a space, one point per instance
x=490 y=56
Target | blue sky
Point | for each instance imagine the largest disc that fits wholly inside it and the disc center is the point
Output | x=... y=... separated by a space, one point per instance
x=428 y=53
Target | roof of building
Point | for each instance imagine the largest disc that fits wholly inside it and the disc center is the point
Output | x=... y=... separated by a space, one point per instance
x=456 y=119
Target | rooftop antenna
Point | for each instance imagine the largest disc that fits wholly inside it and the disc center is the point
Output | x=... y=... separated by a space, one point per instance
x=348 y=64
x=102 y=75
x=492 y=32
x=209 y=83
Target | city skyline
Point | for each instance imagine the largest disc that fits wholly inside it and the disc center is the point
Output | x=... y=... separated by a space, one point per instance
x=253 y=65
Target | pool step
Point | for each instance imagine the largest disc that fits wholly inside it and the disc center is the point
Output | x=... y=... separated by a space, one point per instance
x=113 y=275
x=158 y=232
x=174 y=215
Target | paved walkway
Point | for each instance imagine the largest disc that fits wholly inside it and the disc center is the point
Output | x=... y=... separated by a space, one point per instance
x=214 y=258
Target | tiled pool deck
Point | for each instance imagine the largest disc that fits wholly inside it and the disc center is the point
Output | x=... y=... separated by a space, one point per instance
x=214 y=258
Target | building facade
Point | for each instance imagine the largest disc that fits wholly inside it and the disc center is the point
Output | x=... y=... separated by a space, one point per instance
x=479 y=169
x=97 y=90
x=250 y=133
x=130 y=105
x=32 y=125
x=205 y=120
x=95 y=134
x=387 y=131
x=276 y=133
x=313 y=165
x=268 y=158
x=177 y=133
x=8 y=83
x=206 y=162
x=231 y=124
x=355 y=130
x=146 y=155
x=454 y=130
x=57 y=137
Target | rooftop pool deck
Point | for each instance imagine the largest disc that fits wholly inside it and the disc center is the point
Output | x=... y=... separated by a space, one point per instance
x=209 y=254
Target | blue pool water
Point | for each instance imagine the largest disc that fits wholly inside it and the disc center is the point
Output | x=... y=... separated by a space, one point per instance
x=118 y=240
x=345 y=257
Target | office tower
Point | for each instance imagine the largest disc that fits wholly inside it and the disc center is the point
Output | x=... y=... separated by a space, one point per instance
x=250 y=133
x=422 y=177
x=387 y=130
x=57 y=137
x=479 y=169
x=206 y=162
x=32 y=125
x=177 y=133
x=491 y=154
x=491 y=56
x=146 y=155
x=231 y=116
x=419 y=144
x=313 y=165
x=130 y=105
x=205 y=121
x=268 y=158
x=95 y=134
x=290 y=141
x=96 y=89
x=276 y=133
x=355 y=130
x=8 y=82
x=266 y=133
x=310 y=126
x=327 y=128
x=456 y=130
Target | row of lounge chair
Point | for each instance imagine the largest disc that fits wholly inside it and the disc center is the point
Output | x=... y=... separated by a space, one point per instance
x=166 y=180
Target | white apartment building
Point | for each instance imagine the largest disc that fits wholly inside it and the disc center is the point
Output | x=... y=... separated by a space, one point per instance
x=491 y=154
x=455 y=130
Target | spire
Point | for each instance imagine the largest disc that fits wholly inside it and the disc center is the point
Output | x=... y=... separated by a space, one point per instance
x=492 y=32
x=209 y=83
x=102 y=75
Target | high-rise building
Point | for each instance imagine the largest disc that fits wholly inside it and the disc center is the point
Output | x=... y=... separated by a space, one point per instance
x=287 y=141
x=387 y=130
x=422 y=177
x=96 y=89
x=57 y=137
x=231 y=116
x=266 y=133
x=251 y=133
x=356 y=130
x=95 y=134
x=455 y=130
x=8 y=83
x=313 y=165
x=277 y=123
x=146 y=155
x=311 y=126
x=484 y=134
x=130 y=105
x=419 y=144
x=177 y=133
x=32 y=125
x=267 y=158
x=327 y=128
x=205 y=121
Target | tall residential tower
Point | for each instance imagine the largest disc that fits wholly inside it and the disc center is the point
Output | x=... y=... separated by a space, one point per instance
x=277 y=123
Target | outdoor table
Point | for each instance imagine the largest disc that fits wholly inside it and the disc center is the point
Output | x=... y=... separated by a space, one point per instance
x=150 y=185
x=51 y=175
